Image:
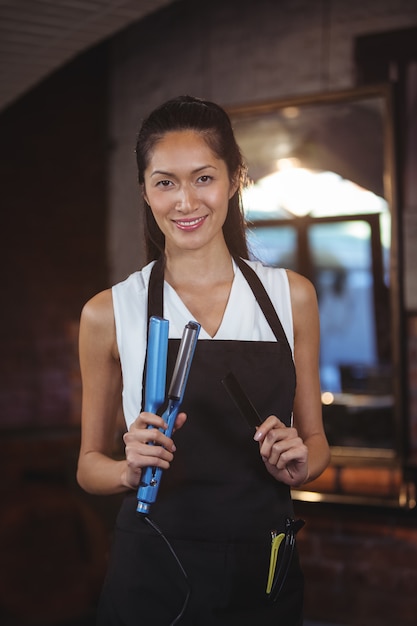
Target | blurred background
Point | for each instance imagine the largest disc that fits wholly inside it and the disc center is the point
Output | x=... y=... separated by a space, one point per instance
x=76 y=78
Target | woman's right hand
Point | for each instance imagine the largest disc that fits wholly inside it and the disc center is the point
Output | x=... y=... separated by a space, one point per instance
x=148 y=446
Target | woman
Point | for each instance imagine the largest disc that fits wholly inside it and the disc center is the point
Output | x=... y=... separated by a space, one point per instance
x=224 y=488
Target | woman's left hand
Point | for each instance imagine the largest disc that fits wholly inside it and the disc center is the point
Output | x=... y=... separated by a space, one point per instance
x=284 y=453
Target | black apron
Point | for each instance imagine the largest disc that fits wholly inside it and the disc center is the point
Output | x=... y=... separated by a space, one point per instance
x=217 y=504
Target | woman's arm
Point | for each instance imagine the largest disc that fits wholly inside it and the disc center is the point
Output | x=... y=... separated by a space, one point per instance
x=308 y=417
x=98 y=472
x=299 y=454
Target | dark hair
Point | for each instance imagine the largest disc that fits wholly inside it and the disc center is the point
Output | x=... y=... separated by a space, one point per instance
x=213 y=123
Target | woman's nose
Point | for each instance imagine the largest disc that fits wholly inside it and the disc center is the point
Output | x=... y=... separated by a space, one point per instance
x=187 y=200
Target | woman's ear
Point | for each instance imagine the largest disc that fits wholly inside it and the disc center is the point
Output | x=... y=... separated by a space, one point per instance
x=144 y=196
x=234 y=185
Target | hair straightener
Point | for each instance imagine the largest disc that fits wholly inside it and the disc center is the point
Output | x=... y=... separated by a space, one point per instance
x=155 y=392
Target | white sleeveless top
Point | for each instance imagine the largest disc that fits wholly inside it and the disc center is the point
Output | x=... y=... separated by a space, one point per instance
x=243 y=320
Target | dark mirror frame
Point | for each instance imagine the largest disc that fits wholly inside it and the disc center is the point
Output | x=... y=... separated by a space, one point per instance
x=362 y=474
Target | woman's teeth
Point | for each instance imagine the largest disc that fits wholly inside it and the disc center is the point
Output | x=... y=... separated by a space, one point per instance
x=186 y=223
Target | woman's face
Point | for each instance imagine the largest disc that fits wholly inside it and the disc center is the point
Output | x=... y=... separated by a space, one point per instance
x=188 y=189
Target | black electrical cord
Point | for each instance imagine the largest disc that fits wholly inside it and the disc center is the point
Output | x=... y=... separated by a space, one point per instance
x=184 y=573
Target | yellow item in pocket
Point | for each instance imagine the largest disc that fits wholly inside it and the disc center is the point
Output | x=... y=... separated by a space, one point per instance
x=276 y=542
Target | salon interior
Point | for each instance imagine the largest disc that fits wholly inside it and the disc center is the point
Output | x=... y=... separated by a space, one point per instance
x=323 y=99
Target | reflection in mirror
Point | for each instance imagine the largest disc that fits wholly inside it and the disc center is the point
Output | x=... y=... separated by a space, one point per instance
x=318 y=202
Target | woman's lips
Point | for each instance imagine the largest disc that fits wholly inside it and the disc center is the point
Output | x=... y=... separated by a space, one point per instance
x=190 y=224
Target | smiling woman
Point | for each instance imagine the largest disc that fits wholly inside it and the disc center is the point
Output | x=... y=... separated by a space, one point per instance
x=188 y=188
x=225 y=485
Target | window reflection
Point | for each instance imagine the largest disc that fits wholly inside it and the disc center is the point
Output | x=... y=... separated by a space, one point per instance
x=344 y=283
x=273 y=244
x=346 y=256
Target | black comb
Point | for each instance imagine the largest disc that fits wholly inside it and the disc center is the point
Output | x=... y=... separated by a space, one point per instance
x=241 y=400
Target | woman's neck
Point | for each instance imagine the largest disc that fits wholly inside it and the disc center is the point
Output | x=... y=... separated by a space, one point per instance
x=202 y=268
x=203 y=284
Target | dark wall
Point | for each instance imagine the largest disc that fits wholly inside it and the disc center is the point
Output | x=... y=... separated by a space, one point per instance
x=52 y=236
x=359 y=564
x=53 y=538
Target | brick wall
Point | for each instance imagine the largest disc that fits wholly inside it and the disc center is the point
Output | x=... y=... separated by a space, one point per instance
x=53 y=238
x=359 y=565
x=53 y=541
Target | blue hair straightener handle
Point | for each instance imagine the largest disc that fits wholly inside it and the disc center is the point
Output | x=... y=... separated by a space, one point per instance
x=155 y=392
x=156 y=363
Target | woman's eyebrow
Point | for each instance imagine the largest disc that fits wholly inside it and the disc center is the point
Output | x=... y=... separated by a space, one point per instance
x=196 y=171
x=204 y=167
x=161 y=173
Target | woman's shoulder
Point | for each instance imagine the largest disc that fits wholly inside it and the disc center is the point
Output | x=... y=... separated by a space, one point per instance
x=303 y=292
x=98 y=311
x=301 y=288
x=97 y=331
x=285 y=285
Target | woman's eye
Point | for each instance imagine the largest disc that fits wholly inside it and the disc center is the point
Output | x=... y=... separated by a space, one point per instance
x=163 y=183
x=205 y=178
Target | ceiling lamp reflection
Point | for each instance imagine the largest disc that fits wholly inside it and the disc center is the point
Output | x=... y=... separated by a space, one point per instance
x=297 y=191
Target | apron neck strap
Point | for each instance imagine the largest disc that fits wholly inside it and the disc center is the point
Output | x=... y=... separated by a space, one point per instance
x=263 y=299
x=156 y=295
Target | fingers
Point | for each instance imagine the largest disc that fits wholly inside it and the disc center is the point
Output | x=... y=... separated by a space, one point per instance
x=146 y=419
x=272 y=432
x=146 y=446
x=140 y=433
x=180 y=421
x=150 y=419
x=140 y=455
x=282 y=450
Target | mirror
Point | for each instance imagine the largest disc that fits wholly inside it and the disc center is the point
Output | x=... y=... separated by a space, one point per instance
x=320 y=201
